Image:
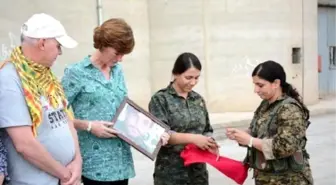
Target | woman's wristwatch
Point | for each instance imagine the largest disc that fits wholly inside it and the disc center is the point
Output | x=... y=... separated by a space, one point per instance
x=89 y=126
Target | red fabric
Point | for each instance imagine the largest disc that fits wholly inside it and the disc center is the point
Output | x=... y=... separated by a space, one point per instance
x=233 y=169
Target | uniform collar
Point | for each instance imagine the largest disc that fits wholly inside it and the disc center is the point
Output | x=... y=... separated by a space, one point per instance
x=172 y=91
x=280 y=99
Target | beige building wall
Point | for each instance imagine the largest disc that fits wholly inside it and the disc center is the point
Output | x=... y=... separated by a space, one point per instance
x=229 y=36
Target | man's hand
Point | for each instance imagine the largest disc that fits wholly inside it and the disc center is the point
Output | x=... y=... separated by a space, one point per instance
x=75 y=168
x=66 y=176
x=102 y=129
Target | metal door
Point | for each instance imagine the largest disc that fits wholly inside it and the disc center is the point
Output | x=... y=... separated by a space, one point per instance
x=327 y=51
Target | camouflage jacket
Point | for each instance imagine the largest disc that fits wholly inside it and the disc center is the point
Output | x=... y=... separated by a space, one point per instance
x=289 y=137
x=188 y=115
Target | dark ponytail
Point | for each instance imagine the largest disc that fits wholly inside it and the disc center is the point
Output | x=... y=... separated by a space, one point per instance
x=271 y=71
x=293 y=93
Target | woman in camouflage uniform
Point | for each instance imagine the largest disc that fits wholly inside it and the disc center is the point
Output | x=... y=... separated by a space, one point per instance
x=185 y=112
x=276 y=138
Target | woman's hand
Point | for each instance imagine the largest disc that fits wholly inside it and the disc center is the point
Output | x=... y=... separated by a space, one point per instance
x=242 y=137
x=103 y=129
x=204 y=142
x=229 y=133
x=165 y=138
x=215 y=151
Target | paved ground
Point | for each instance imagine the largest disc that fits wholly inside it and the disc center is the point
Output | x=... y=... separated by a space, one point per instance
x=321 y=146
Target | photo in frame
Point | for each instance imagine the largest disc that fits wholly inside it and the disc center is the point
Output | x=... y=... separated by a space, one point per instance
x=139 y=128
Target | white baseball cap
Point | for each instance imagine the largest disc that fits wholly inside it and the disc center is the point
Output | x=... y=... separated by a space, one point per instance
x=43 y=26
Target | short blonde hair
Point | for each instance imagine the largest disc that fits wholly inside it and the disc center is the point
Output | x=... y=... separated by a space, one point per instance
x=115 y=33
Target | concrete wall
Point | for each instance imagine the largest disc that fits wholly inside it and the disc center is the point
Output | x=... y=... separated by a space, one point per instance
x=137 y=65
x=78 y=20
x=229 y=36
x=310 y=52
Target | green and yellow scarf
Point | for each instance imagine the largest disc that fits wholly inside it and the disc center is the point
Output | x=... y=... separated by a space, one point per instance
x=37 y=81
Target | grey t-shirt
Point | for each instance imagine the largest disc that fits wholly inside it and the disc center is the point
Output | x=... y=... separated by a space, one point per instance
x=54 y=133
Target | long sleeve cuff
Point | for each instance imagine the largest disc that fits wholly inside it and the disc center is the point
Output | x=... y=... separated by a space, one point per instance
x=266 y=146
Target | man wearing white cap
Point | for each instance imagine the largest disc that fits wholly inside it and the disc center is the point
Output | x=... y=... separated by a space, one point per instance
x=40 y=137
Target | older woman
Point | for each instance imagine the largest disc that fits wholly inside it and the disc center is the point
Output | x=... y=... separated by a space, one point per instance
x=95 y=87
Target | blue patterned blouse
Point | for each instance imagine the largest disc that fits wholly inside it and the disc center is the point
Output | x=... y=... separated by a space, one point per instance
x=93 y=97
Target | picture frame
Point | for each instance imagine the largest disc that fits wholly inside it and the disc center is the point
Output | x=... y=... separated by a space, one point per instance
x=139 y=128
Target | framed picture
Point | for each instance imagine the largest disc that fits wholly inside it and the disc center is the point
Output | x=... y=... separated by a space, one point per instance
x=139 y=128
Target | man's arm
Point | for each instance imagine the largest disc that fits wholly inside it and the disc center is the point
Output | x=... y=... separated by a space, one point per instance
x=31 y=150
x=15 y=118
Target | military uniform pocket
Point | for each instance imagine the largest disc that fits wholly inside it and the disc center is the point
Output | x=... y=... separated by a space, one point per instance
x=296 y=161
x=280 y=165
x=260 y=161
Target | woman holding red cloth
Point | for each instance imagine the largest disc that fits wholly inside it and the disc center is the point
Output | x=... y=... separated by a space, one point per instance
x=185 y=112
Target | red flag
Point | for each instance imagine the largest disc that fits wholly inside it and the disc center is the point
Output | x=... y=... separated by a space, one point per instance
x=233 y=169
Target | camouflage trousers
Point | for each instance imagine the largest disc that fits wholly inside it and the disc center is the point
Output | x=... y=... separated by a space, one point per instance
x=286 y=179
x=195 y=174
